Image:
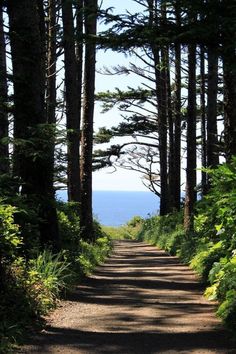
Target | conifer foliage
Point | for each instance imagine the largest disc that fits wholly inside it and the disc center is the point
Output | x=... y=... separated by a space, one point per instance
x=186 y=59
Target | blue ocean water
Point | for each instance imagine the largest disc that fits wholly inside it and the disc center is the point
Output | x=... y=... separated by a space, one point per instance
x=115 y=208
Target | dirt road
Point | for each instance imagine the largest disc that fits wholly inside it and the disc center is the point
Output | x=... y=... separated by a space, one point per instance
x=140 y=301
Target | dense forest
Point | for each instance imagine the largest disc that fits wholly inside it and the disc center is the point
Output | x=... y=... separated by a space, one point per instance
x=181 y=122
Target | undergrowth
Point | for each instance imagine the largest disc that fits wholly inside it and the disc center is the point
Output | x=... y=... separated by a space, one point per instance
x=33 y=285
x=125 y=232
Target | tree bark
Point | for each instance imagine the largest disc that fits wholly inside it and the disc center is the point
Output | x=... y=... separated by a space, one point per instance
x=177 y=125
x=163 y=113
x=190 y=194
x=203 y=119
x=86 y=217
x=171 y=172
x=4 y=150
x=79 y=51
x=212 y=135
x=177 y=117
x=72 y=103
x=51 y=101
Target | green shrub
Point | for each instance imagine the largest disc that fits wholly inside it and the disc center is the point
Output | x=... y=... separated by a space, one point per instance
x=35 y=279
x=92 y=254
x=45 y=278
x=204 y=259
x=69 y=225
x=128 y=231
x=167 y=233
x=136 y=220
x=10 y=238
x=216 y=213
x=227 y=310
x=222 y=278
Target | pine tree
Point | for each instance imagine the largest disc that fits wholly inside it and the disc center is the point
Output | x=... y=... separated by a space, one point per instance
x=32 y=153
x=4 y=152
x=86 y=216
x=72 y=103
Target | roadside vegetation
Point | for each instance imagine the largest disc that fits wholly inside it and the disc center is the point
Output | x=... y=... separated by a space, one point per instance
x=211 y=248
x=125 y=232
x=35 y=279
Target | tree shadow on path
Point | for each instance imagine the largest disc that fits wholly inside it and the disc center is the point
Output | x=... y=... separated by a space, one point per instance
x=140 y=301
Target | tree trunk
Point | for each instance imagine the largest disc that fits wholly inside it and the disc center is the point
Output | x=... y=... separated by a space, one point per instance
x=51 y=63
x=203 y=119
x=177 y=125
x=177 y=115
x=172 y=185
x=51 y=96
x=72 y=103
x=164 y=202
x=190 y=196
x=212 y=135
x=4 y=151
x=87 y=128
x=32 y=153
x=79 y=52
x=161 y=88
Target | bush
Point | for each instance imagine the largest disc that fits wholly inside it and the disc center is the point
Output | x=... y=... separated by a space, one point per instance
x=128 y=231
x=222 y=278
x=135 y=221
x=69 y=225
x=227 y=310
x=92 y=254
x=167 y=233
x=204 y=260
x=45 y=278
x=10 y=239
x=35 y=283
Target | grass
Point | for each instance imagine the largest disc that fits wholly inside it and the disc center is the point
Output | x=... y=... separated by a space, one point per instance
x=128 y=231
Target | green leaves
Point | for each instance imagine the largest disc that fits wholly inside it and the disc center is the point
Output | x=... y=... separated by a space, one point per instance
x=10 y=238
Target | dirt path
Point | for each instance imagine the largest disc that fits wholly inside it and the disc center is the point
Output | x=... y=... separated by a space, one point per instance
x=140 y=301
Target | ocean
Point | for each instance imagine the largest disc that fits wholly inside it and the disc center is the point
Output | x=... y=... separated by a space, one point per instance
x=115 y=208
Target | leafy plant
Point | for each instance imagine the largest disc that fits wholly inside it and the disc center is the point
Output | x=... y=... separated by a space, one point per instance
x=93 y=254
x=46 y=277
x=69 y=225
x=10 y=238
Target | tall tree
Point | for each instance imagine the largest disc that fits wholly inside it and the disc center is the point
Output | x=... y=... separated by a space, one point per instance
x=212 y=90
x=203 y=119
x=190 y=194
x=79 y=51
x=4 y=152
x=228 y=15
x=72 y=103
x=177 y=115
x=86 y=216
x=51 y=97
x=171 y=160
x=32 y=153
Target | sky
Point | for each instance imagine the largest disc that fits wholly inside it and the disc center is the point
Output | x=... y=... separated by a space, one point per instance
x=107 y=179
